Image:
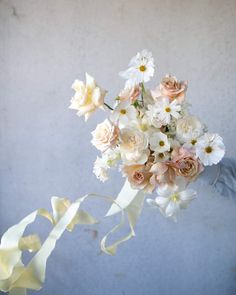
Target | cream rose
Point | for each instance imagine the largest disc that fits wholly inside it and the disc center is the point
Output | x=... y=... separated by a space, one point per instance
x=87 y=98
x=105 y=135
x=187 y=128
x=172 y=88
x=133 y=146
x=186 y=164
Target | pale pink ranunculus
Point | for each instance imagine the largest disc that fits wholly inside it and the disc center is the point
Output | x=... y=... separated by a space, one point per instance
x=130 y=94
x=163 y=172
x=172 y=88
x=186 y=164
x=105 y=135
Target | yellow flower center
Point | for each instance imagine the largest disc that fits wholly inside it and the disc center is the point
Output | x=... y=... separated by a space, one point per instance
x=161 y=143
x=142 y=68
x=161 y=155
x=175 y=198
x=167 y=109
x=193 y=142
x=123 y=112
x=208 y=149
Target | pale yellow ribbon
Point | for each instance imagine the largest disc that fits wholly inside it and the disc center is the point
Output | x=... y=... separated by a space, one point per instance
x=16 y=278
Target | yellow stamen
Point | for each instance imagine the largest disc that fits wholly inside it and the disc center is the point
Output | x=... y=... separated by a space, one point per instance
x=208 y=149
x=161 y=143
x=193 y=142
x=167 y=109
x=142 y=68
x=175 y=198
x=123 y=112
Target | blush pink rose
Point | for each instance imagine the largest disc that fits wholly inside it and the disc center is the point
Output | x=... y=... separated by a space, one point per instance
x=172 y=88
x=186 y=164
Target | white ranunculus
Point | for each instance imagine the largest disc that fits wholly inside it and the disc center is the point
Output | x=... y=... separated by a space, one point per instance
x=105 y=135
x=87 y=98
x=133 y=146
x=210 y=149
x=159 y=142
x=188 y=127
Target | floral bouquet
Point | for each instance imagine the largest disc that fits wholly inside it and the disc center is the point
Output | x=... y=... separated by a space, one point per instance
x=159 y=148
x=158 y=145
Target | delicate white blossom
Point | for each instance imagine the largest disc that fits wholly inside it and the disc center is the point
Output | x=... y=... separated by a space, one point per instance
x=166 y=110
x=210 y=149
x=159 y=142
x=124 y=114
x=141 y=69
x=100 y=169
x=172 y=198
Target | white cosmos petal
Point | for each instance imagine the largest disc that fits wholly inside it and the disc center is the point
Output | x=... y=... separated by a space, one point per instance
x=161 y=201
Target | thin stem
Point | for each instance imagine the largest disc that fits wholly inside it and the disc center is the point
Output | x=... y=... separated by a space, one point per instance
x=109 y=107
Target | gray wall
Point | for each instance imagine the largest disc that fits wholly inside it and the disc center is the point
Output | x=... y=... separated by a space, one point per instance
x=45 y=148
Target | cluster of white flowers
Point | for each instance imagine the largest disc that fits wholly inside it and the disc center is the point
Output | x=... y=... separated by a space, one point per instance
x=158 y=144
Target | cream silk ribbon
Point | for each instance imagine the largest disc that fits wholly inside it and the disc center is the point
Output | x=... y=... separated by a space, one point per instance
x=16 y=278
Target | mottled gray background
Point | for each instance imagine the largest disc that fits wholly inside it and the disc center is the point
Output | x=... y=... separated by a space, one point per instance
x=45 y=148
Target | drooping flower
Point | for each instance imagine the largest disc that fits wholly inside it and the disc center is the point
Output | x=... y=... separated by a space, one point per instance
x=159 y=142
x=105 y=135
x=87 y=98
x=189 y=128
x=172 y=198
x=133 y=146
x=123 y=114
x=165 y=110
x=172 y=88
x=210 y=149
x=141 y=69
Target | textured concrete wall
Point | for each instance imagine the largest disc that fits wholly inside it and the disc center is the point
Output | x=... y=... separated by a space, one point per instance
x=45 y=148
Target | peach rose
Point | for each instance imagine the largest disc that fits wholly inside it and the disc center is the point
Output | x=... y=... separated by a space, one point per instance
x=105 y=135
x=186 y=164
x=172 y=88
x=138 y=176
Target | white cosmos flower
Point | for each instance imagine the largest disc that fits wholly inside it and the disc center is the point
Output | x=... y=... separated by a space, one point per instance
x=159 y=142
x=141 y=69
x=172 y=198
x=164 y=110
x=123 y=114
x=210 y=149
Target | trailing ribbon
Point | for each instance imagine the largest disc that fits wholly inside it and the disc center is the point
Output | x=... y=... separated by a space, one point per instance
x=16 y=278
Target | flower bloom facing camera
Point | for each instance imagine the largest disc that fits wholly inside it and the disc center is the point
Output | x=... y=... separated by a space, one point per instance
x=172 y=88
x=87 y=98
x=210 y=149
x=105 y=135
